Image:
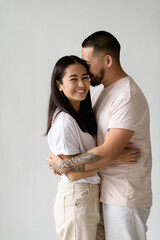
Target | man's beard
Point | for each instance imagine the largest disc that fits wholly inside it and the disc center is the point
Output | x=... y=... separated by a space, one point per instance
x=96 y=80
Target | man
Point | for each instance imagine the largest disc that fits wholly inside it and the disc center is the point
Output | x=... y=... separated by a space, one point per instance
x=122 y=115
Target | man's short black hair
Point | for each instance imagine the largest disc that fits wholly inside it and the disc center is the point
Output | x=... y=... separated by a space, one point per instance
x=103 y=41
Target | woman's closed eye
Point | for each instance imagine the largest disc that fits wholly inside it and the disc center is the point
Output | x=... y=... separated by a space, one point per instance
x=85 y=78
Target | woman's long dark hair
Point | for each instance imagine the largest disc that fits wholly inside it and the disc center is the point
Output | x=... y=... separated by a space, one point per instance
x=85 y=118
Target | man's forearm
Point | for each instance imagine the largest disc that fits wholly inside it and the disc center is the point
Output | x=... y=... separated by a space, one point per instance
x=78 y=163
x=98 y=157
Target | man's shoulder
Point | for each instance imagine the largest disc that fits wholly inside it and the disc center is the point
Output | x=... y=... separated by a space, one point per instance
x=127 y=88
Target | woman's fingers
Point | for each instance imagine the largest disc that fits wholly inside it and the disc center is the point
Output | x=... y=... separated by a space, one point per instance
x=134 y=154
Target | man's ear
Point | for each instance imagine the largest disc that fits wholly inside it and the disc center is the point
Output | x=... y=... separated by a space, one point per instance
x=108 y=60
x=59 y=86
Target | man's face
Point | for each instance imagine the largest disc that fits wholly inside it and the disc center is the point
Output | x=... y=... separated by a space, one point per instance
x=96 y=65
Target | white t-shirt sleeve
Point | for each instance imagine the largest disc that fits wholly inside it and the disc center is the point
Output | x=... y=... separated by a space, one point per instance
x=63 y=136
x=125 y=113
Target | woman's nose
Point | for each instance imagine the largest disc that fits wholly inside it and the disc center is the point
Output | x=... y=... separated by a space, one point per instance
x=81 y=83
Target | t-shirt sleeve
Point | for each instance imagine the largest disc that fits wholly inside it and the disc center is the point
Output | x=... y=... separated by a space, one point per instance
x=125 y=113
x=63 y=137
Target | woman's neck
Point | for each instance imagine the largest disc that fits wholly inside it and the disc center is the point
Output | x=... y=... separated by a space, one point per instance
x=76 y=106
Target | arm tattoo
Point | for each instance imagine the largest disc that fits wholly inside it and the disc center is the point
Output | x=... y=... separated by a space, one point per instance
x=77 y=163
x=108 y=129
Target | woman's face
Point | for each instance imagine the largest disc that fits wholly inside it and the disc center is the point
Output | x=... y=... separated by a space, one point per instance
x=75 y=84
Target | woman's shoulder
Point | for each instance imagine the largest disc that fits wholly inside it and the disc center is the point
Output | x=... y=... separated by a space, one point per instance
x=63 y=120
x=62 y=137
x=63 y=116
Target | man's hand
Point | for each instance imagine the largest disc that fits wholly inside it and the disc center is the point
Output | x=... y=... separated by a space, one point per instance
x=54 y=163
x=96 y=158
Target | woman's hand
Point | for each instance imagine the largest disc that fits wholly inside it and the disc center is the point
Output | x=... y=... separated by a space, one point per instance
x=129 y=156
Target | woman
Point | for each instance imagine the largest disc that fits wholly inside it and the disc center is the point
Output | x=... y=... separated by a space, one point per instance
x=71 y=130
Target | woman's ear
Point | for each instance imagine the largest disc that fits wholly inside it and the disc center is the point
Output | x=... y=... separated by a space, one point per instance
x=108 y=60
x=59 y=86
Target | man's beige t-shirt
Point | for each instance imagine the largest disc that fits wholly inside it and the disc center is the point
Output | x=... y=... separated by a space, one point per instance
x=123 y=105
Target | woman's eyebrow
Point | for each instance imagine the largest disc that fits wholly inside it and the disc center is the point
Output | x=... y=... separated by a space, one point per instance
x=73 y=75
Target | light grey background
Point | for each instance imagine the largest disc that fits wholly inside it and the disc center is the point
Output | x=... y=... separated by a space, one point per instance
x=33 y=35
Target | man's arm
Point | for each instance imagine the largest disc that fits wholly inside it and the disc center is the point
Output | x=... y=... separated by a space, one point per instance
x=98 y=157
x=74 y=176
x=115 y=141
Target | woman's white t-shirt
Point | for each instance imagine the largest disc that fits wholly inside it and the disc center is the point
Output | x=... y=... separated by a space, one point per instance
x=65 y=137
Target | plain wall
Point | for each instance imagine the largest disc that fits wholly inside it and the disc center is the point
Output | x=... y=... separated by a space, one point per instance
x=34 y=35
